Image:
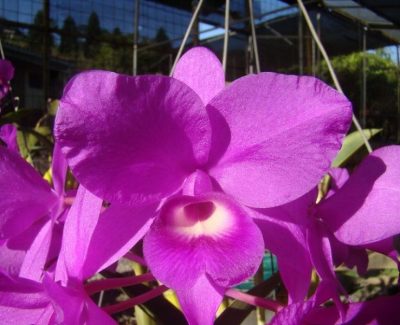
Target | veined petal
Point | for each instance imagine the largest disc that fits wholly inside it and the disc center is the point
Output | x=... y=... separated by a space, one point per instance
x=200 y=301
x=284 y=133
x=26 y=197
x=203 y=235
x=202 y=71
x=366 y=209
x=132 y=139
x=117 y=231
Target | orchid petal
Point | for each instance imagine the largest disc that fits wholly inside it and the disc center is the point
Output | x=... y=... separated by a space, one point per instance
x=203 y=235
x=26 y=197
x=197 y=183
x=36 y=256
x=117 y=231
x=321 y=255
x=8 y=133
x=366 y=209
x=293 y=259
x=6 y=71
x=132 y=139
x=284 y=133
x=78 y=230
x=202 y=71
x=22 y=301
x=59 y=168
x=200 y=301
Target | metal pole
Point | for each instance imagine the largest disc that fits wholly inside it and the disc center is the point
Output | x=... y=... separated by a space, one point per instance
x=364 y=78
x=253 y=36
x=330 y=68
x=226 y=35
x=194 y=17
x=195 y=28
x=301 y=49
x=46 y=51
x=2 y=51
x=135 y=38
x=398 y=92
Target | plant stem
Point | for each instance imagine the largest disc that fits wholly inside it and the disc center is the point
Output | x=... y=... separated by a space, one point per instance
x=111 y=283
x=253 y=300
x=112 y=309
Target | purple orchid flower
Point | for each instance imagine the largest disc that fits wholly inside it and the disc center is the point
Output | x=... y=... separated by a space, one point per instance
x=8 y=134
x=360 y=212
x=31 y=214
x=6 y=74
x=381 y=310
x=184 y=159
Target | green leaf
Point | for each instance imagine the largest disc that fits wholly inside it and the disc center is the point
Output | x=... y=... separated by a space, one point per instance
x=53 y=107
x=351 y=144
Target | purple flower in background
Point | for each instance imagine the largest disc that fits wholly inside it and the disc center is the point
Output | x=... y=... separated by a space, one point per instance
x=6 y=74
x=381 y=310
x=8 y=134
x=185 y=159
x=360 y=212
x=31 y=214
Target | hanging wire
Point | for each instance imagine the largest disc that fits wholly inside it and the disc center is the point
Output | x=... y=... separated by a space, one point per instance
x=2 y=51
x=194 y=17
x=330 y=68
x=226 y=35
x=253 y=36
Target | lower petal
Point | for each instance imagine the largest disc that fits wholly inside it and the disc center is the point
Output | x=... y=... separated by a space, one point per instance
x=203 y=235
x=200 y=301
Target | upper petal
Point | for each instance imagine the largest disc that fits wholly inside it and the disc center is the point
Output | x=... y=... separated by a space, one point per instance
x=202 y=71
x=131 y=139
x=284 y=132
x=25 y=196
x=366 y=209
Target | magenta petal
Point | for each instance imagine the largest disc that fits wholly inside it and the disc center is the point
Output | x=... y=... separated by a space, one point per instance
x=117 y=231
x=132 y=139
x=26 y=197
x=197 y=183
x=381 y=310
x=321 y=255
x=78 y=231
x=6 y=71
x=8 y=133
x=200 y=301
x=202 y=71
x=22 y=302
x=285 y=132
x=339 y=177
x=366 y=209
x=36 y=256
x=204 y=235
x=59 y=169
x=287 y=242
x=96 y=316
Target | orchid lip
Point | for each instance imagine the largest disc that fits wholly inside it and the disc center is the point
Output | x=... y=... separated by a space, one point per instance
x=199 y=218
